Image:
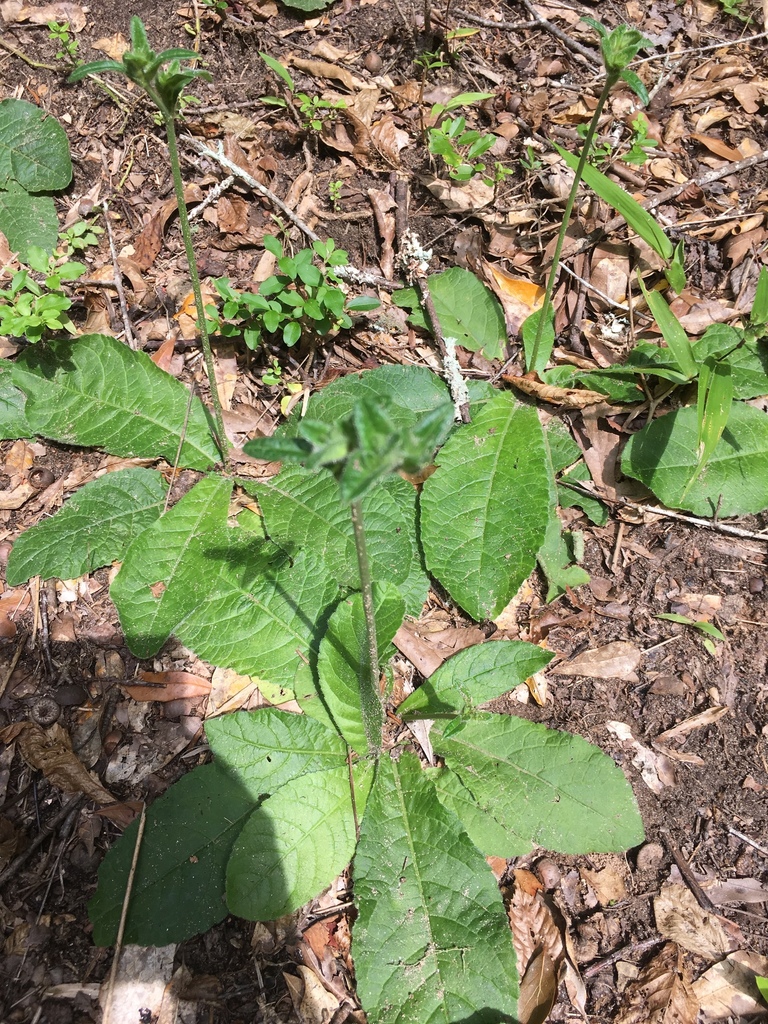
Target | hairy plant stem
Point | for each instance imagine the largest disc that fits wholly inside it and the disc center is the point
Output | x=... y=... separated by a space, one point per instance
x=610 y=81
x=186 y=232
x=370 y=702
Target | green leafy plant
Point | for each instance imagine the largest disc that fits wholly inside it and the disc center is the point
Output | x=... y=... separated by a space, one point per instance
x=31 y=309
x=164 y=86
x=618 y=48
x=460 y=148
x=79 y=236
x=273 y=377
x=639 y=143
x=59 y=33
x=334 y=194
x=312 y=110
x=34 y=162
x=703 y=627
x=276 y=816
x=734 y=8
x=303 y=299
x=762 y=987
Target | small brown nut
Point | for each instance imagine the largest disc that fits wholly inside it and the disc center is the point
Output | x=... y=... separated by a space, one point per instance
x=373 y=62
x=40 y=477
x=45 y=711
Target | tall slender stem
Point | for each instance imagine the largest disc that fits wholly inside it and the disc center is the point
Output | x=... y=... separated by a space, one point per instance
x=610 y=81
x=186 y=232
x=370 y=702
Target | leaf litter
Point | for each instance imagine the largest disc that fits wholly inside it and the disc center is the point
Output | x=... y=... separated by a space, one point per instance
x=654 y=565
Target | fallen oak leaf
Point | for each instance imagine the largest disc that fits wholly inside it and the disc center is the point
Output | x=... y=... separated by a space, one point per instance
x=167 y=686
x=568 y=398
x=50 y=751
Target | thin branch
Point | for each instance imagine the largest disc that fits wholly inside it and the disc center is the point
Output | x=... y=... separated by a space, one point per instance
x=118 y=282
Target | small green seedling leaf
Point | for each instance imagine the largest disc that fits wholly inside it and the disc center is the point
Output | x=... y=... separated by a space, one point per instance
x=93 y=528
x=431 y=942
x=529 y=331
x=638 y=218
x=665 y=453
x=474 y=676
x=703 y=627
x=295 y=843
x=759 y=314
x=180 y=876
x=484 y=511
x=677 y=340
x=284 y=74
x=762 y=987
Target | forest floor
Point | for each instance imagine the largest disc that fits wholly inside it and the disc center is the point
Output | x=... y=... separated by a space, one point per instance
x=669 y=932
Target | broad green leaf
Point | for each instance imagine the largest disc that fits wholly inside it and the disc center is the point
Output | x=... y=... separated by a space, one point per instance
x=759 y=314
x=473 y=676
x=267 y=748
x=409 y=392
x=747 y=357
x=664 y=455
x=13 y=422
x=484 y=511
x=486 y=833
x=762 y=987
x=302 y=508
x=95 y=391
x=93 y=528
x=34 y=150
x=569 y=496
x=556 y=558
x=713 y=407
x=467 y=310
x=181 y=872
x=639 y=219
x=261 y=611
x=295 y=843
x=432 y=942
x=307 y=5
x=343 y=658
x=677 y=340
x=28 y=220
x=159 y=582
x=546 y=788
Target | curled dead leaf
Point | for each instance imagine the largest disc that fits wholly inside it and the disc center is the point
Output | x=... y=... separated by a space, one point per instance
x=614 y=661
x=50 y=751
x=568 y=398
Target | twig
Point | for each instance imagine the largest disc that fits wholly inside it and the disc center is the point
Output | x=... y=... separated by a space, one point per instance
x=213 y=195
x=700 y=49
x=688 y=876
x=22 y=56
x=746 y=839
x=14 y=662
x=585 y=51
x=123 y=916
x=508 y=26
x=637 y=948
x=130 y=339
x=18 y=862
x=350 y=273
x=654 y=510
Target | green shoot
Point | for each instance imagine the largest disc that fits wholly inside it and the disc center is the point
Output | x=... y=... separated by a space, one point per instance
x=164 y=86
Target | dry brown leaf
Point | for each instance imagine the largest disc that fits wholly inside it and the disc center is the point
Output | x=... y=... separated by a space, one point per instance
x=149 y=241
x=567 y=398
x=383 y=204
x=610 y=274
x=751 y=95
x=608 y=882
x=728 y=989
x=324 y=69
x=680 y=918
x=717 y=146
x=614 y=661
x=533 y=927
x=187 y=314
x=164 y=355
x=14 y=11
x=50 y=751
x=389 y=140
x=466 y=198
x=538 y=989
x=428 y=650
x=113 y=46
x=655 y=769
x=700 y=721
x=12 y=604
x=166 y=686
x=519 y=296
x=659 y=994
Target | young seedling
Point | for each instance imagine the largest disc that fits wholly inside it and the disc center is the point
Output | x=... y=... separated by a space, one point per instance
x=163 y=79
x=311 y=111
x=32 y=310
x=59 y=32
x=703 y=627
x=302 y=299
x=618 y=48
